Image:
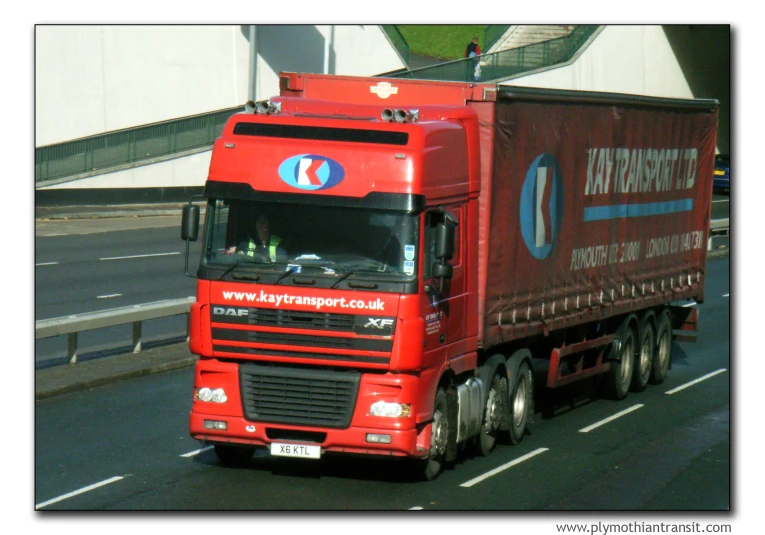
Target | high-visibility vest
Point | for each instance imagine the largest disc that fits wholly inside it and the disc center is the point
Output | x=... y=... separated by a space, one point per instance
x=273 y=242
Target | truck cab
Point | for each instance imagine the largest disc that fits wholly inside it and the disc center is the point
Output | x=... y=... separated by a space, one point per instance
x=334 y=296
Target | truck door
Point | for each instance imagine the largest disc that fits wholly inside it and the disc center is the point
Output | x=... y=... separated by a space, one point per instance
x=444 y=309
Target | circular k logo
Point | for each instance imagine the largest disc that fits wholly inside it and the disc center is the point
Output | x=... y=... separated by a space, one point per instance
x=311 y=172
x=542 y=205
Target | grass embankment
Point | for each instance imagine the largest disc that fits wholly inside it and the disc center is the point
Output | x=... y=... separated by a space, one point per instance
x=440 y=41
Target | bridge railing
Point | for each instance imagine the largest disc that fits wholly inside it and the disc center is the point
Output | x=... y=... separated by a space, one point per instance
x=102 y=153
x=506 y=63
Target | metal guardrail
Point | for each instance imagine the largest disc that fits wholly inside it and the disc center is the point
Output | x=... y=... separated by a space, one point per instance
x=136 y=314
x=129 y=146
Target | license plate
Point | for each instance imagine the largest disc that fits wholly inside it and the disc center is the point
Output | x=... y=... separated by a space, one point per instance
x=296 y=450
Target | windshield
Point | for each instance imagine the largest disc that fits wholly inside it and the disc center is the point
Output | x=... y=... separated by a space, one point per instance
x=336 y=242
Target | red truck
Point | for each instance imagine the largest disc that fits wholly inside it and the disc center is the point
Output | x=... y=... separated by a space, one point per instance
x=383 y=260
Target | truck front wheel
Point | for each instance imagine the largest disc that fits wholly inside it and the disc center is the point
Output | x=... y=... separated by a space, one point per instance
x=439 y=436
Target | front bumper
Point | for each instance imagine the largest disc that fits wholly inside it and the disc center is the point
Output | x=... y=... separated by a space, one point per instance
x=407 y=436
x=351 y=440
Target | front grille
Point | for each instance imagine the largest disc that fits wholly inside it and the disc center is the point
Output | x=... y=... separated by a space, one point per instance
x=296 y=396
x=260 y=337
x=293 y=319
x=305 y=320
x=299 y=354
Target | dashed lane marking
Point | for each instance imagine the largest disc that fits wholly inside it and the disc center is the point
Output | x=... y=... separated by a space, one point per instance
x=196 y=452
x=695 y=381
x=139 y=256
x=107 y=296
x=504 y=467
x=47 y=264
x=77 y=492
x=610 y=418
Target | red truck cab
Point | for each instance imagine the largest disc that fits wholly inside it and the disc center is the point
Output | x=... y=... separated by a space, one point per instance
x=333 y=339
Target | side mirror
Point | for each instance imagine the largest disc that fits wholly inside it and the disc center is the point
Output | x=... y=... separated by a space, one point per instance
x=444 y=241
x=190 y=223
x=442 y=270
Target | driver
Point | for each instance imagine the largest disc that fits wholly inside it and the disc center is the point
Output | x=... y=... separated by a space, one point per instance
x=263 y=243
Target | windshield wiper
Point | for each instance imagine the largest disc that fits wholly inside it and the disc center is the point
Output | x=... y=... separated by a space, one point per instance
x=341 y=279
x=287 y=274
x=234 y=265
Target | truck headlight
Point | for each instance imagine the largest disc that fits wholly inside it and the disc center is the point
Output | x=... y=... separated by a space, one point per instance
x=390 y=410
x=207 y=394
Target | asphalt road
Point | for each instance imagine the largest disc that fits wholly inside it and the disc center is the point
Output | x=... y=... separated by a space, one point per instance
x=125 y=446
x=90 y=265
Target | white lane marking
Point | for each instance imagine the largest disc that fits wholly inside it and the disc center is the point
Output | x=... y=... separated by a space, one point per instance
x=50 y=235
x=726 y=295
x=416 y=508
x=76 y=492
x=610 y=418
x=138 y=256
x=690 y=305
x=722 y=200
x=196 y=452
x=107 y=296
x=504 y=467
x=47 y=264
x=686 y=385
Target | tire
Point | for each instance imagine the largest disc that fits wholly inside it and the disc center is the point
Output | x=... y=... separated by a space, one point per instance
x=645 y=353
x=493 y=414
x=619 y=377
x=663 y=353
x=233 y=455
x=521 y=404
x=439 y=436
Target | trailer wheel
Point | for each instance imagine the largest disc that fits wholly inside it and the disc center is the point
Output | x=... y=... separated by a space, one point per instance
x=619 y=377
x=493 y=414
x=438 y=438
x=663 y=352
x=521 y=403
x=233 y=455
x=645 y=353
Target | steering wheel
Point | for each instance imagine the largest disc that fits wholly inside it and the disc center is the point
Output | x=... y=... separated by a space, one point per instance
x=256 y=254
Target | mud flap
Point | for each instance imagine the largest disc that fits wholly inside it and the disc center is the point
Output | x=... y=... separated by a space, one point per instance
x=685 y=320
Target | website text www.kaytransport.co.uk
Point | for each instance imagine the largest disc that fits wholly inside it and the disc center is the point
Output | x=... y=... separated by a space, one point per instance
x=283 y=299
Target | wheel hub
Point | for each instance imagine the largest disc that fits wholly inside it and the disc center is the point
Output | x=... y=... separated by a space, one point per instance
x=492 y=411
x=645 y=355
x=627 y=362
x=519 y=402
x=438 y=435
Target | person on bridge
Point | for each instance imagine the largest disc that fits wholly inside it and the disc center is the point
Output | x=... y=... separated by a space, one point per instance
x=473 y=50
x=263 y=244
